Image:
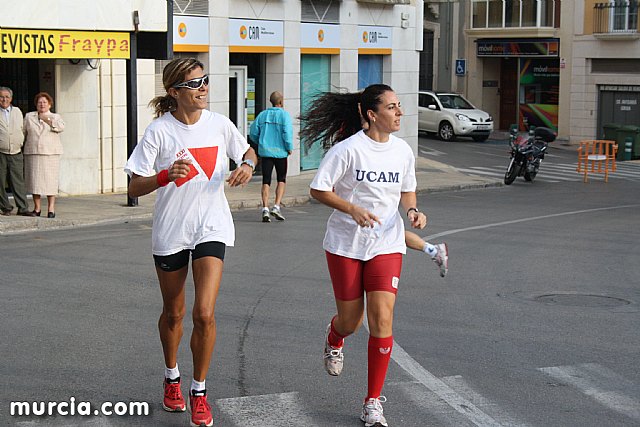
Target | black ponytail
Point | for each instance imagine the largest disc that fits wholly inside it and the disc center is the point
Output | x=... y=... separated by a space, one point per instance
x=334 y=117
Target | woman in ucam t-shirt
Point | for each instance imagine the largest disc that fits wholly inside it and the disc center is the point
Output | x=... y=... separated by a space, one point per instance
x=363 y=178
x=184 y=155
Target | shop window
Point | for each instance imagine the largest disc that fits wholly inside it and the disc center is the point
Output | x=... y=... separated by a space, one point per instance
x=369 y=70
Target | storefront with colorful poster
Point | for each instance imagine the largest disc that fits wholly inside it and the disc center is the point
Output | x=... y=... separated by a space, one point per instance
x=539 y=91
x=524 y=76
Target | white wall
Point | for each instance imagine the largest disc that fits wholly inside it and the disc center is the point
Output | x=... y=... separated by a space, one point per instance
x=104 y=15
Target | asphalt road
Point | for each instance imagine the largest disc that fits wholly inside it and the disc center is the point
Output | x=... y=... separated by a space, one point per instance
x=537 y=323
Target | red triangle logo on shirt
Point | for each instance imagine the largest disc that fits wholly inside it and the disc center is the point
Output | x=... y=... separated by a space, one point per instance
x=206 y=158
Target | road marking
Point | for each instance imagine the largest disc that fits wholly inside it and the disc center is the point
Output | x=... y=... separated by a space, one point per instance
x=533 y=218
x=437 y=386
x=458 y=383
x=442 y=390
x=599 y=383
x=541 y=174
x=432 y=152
x=552 y=172
x=282 y=409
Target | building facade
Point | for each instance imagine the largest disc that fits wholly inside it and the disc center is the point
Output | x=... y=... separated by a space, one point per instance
x=249 y=47
x=604 y=68
x=301 y=48
x=573 y=66
x=77 y=51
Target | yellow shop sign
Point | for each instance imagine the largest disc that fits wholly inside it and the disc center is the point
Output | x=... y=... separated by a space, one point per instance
x=63 y=44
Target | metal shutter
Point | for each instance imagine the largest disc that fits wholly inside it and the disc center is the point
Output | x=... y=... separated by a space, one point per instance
x=325 y=11
x=191 y=7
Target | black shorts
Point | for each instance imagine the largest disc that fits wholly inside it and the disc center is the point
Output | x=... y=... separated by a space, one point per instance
x=267 y=168
x=175 y=262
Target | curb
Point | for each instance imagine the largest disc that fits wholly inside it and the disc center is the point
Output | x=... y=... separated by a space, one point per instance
x=43 y=224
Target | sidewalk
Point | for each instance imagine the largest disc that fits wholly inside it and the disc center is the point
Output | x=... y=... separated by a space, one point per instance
x=77 y=211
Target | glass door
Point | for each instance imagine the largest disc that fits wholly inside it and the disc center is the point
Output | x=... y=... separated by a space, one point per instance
x=237 y=97
x=315 y=73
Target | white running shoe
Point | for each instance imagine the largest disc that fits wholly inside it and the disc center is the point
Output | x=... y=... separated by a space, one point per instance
x=333 y=357
x=372 y=413
x=442 y=258
x=265 y=215
x=275 y=212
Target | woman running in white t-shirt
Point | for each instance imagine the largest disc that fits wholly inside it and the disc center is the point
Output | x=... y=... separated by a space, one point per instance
x=184 y=156
x=364 y=178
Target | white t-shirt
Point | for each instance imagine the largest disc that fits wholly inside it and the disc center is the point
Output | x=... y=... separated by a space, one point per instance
x=371 y=175
x=194 y=209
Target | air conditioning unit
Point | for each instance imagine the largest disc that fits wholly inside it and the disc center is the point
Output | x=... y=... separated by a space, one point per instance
x=385 y=1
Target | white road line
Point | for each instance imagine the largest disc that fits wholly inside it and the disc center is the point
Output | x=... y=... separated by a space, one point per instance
x=626 y=171
x=544 y=173
x=492 y=155
x=533 y=218
x=442 y=390
x=599 y=383
x=432 y=152
x=501 y=174
x=458 y=383
x=283 y=409
x=481 y=172
x=437 y=386
x=563 y=172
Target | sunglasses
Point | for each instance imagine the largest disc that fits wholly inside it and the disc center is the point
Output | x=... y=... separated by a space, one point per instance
x=194 y=84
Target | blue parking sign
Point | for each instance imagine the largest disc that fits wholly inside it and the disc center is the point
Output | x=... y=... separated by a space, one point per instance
x=461 y=67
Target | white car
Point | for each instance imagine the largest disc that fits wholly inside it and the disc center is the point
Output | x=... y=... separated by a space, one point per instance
x=450 y=115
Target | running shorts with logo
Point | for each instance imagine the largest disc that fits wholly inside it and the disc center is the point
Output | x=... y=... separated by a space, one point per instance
x=351 y=278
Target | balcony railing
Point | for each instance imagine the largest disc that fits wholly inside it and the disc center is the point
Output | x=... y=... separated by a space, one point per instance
x=619 y=17
x=515 y=13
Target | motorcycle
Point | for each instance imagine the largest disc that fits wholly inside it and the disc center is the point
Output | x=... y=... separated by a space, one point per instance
x=527 y=153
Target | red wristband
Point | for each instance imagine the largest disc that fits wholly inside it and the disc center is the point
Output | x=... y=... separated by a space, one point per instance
x=163 y=178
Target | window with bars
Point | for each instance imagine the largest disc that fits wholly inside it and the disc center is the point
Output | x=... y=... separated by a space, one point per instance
x=515 y=13
x=616 y=17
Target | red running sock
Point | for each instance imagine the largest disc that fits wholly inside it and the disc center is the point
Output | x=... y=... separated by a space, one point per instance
x=379 y=353
x=335 y=339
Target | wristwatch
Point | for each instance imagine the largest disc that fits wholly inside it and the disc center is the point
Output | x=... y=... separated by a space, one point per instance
x=249 y=163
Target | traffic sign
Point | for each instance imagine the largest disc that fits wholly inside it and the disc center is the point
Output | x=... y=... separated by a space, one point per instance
x=461 y=67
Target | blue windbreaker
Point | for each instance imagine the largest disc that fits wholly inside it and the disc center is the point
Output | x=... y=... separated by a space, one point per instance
x=273 y=132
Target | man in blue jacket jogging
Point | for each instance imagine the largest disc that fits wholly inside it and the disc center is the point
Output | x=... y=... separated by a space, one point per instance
x=273 y=132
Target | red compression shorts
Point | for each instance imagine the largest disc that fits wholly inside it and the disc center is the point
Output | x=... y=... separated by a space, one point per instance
x=352 y=277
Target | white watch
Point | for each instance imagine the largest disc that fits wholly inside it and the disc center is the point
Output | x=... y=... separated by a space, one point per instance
x=249 y=163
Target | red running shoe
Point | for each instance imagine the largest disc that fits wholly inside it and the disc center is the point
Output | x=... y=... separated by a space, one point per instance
x=200 y=409
x=173 y=400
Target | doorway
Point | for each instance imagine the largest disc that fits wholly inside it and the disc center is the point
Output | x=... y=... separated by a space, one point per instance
x=238 y=97
x=508 y=92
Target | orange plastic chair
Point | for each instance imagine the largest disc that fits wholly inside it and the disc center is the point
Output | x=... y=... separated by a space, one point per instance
x=597 y=156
